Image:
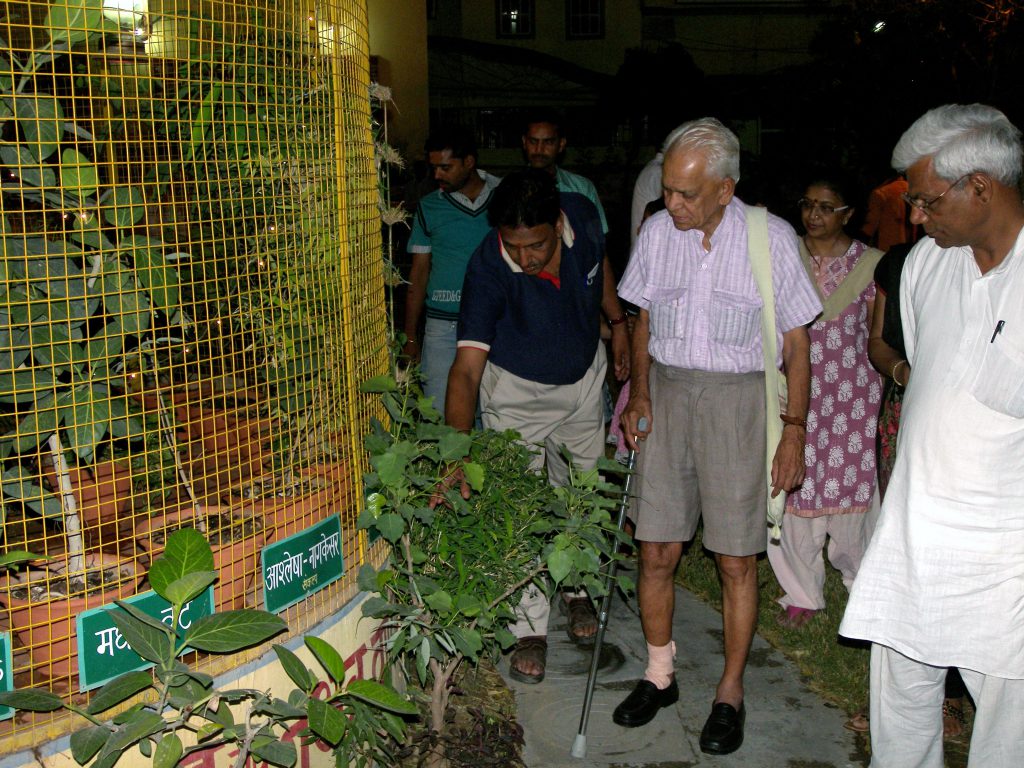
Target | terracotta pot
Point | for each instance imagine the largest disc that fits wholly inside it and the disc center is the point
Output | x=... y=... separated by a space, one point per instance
x=235 y=561
x=293 y=514
x=102 y=491
x=47 y=627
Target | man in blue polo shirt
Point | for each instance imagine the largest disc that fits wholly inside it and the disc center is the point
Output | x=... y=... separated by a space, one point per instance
x=529 y=342
x=449 y=225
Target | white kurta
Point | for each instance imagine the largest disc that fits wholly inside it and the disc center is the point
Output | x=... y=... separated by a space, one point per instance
x=943 y=579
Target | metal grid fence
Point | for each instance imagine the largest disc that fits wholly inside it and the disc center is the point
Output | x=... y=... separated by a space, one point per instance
x=190 y=292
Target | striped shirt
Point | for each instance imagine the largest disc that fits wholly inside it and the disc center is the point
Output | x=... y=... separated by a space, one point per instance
x=705 y=310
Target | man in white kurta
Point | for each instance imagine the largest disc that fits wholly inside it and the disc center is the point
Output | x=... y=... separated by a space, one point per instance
x=942 y=584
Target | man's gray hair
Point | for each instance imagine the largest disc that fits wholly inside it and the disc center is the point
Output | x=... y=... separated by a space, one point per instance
x=961 y=139
x=717 y=143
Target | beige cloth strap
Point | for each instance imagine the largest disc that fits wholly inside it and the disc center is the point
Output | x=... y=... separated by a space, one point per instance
x=856 y=280
x=774 y=382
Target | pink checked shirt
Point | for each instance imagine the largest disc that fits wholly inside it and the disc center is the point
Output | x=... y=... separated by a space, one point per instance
x=705 y=311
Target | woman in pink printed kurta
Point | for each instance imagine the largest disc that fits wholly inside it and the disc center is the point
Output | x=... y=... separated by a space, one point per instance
x=843 y=414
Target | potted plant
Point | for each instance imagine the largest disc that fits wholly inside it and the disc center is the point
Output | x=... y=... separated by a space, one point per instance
x=83 y=283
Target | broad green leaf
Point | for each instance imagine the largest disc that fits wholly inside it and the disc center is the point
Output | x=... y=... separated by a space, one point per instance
x=295 y=669
x=31 y=699
x=141 y=616
x=381 y=696
x=468 y=605
x=85 y=743
x=467 y=641
x=78 y=173
x=119 y=689
x=377 y=608
x=27 y=166
x=17 y=557
x=559 y=564
x=390 y=468
x=328 y=656
x=207 y=730
x=168 y=751
x=275 y=752
x=233 y=630
x=127 y=207
x=454 y=445
x=379 y=384
x=159 y=279
x=72 y=21
x=149 y=642
x=367 y=579
x=391 y=526
x=178 y=590
x=138 y=725
x=36 y=428
x=474 y=475
x=41 y=119
x=326 y=722
x=187 y=551
x=439 y=602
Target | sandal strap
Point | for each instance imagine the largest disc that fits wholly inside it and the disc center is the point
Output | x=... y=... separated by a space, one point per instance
x=532 y=643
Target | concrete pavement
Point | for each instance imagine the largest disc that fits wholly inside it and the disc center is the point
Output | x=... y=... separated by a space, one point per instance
x=787 y=726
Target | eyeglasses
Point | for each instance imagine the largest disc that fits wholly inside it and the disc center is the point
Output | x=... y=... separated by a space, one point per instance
x=926 y=206
x=825 y=209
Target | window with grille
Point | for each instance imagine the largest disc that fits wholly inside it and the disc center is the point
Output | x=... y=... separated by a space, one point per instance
x=584 y=19
x=515 y=18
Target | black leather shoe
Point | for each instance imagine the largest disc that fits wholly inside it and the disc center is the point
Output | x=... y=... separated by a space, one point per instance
x=723 y=731
x=640 y=707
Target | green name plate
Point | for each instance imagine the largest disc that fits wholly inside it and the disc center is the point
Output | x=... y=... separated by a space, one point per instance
x=296 y=567
x=6 y=672
x=103 y=653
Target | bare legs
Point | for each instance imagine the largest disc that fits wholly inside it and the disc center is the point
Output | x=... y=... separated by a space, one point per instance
x=656 y=594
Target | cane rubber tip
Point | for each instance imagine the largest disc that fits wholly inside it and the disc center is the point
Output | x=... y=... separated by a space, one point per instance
x=579 y=745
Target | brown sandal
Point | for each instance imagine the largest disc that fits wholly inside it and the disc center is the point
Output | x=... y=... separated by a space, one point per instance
x=581 y=613
x=859 y=723
x=533 y=649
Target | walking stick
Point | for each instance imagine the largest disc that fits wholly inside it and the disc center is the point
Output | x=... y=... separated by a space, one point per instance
x=579 y=744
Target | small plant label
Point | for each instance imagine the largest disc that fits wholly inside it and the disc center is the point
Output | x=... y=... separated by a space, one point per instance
x=103 y=653
x=296 y=567
x=6 y=672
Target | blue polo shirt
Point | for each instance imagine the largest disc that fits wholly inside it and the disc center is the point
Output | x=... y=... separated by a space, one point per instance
x=526 y=324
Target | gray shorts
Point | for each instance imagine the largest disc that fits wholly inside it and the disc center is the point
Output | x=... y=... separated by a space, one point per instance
x=705 y=456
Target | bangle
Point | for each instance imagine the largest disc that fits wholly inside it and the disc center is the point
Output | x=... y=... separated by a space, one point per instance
x=618 y=320
x=895 y=368
x=796 y=421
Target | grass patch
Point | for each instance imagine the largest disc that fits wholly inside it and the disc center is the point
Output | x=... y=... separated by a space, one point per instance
x=833 y=667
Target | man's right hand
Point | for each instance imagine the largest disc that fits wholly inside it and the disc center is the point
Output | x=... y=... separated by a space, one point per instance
x=453 y=474
x=638 y=407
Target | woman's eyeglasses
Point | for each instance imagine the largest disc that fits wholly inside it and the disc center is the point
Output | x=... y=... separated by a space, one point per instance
x=825 y=209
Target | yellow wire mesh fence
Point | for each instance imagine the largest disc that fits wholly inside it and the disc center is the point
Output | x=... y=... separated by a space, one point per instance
x=190 y=291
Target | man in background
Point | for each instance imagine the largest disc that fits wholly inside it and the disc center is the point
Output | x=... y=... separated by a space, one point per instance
x=449 y=225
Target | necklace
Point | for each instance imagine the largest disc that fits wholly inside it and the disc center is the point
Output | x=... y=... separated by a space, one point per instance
x=829 y=254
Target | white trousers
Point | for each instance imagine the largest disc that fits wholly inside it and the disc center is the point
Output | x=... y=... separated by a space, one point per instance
x=906 y=715
x=798 y=562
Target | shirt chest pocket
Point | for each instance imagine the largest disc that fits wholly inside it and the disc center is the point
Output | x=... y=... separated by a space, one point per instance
x=735 y=319
x=1000 y=380
x=666 y=310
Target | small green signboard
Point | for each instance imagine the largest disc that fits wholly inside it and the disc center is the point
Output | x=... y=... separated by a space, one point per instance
x=6 y=672
x=300 y=565
x=103 y=653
